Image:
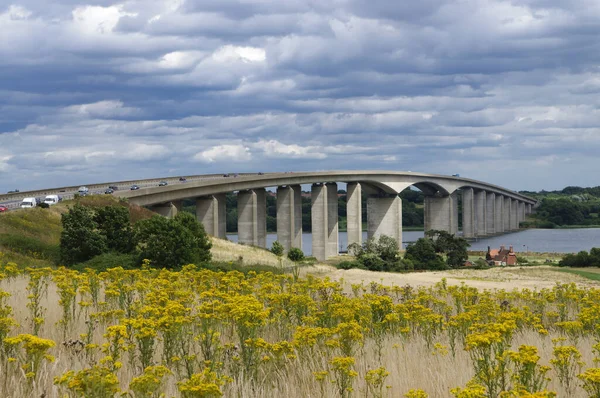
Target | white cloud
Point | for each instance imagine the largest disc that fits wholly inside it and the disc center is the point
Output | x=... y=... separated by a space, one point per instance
x=96 y=19
x=231 y=53
x=224 y=153
x=276 y=149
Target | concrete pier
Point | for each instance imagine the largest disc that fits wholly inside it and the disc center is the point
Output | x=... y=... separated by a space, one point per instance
x=324 y=220
x=506 y=219
x=169 y=209
x=499 y=220
x=289 y=216
x=469 y=217
x=252 y=217
x=480 y=213
x=521 y=211
x=441 y=213
x=514 y=215
x=384 y=217
x=490 y=208
x=354 y=213
x=212 y=213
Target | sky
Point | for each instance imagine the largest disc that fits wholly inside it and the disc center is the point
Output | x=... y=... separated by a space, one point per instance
x=507 y=92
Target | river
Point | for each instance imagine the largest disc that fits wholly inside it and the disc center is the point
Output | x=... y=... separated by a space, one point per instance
x=534 y=240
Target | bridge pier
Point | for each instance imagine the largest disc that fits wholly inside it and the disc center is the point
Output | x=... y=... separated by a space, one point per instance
x=521 y=211
x=252 y=217
x=490 y=209
x=212 y=213
x=169 y=209
x=514 y=218
x=289 y=216
x=354 y=213
x=506 y=211
x=480 y=206
x=469 y=224
x=324 y=220
x=441 y=213
x=499 y=220
x=384 y=217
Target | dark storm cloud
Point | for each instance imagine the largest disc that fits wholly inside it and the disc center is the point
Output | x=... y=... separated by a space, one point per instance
x=503 y=91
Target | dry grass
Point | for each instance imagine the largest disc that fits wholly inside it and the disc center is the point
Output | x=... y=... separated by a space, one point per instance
x=226 y=251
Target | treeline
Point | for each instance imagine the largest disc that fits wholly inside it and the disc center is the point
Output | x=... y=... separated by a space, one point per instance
x=412 y=210
x=582 y=259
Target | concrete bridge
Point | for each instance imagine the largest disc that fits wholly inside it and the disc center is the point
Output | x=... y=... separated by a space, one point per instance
x=487 y=209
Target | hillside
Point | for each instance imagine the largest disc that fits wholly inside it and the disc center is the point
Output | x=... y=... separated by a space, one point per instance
x=31 y=237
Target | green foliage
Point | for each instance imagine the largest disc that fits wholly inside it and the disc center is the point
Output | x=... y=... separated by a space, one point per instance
x=80 y=239
x=203 y=243
x=378 y=254
x=105 y=261
x=423 y=255
x=295 y=254
x=114 y=225
x=582 y=259
x=171 y=243
x=453 y=247
x=277 y=249
x=349 y=265
x=44 y=205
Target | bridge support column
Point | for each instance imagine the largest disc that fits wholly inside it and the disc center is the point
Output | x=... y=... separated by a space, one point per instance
x=354 y=213
x=169 y=209
x=506 y=214
x=499 y=220
x=252 y=217
x=289 y=217
x=384 y=217
x=211 y=212
x=514 y=218
x=521 y=211
x=441 y=213
x=490 y=228
x=480 y=206
x=529 y=208
x=469 y=223
x=324 y=220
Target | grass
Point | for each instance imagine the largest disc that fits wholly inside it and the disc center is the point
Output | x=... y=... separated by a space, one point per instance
x=592 y=275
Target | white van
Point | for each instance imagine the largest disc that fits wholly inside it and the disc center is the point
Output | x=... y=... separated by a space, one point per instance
x=83 y=191
x=51 y=200
x=28 y=203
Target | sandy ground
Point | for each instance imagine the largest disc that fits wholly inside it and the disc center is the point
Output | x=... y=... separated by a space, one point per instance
x=496 y=278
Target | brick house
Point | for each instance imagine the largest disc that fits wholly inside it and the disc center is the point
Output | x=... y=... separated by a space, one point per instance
x=502 y=256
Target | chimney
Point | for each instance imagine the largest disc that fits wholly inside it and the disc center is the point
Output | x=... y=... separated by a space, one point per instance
x=502 y=248
x=511 y=249
x=489 y=250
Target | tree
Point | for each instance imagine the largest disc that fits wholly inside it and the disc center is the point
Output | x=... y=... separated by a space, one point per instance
x=115 y=226
x=295 y=254
x=165 y=242
x=202 y=241
x=423 y=255
x=80 y=239
x=380 y=254
x=454 y=247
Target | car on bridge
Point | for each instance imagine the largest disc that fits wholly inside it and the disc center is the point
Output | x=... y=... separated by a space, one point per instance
x=14 y=191
x=134 y=187
x=163 y=184
x=109 y=191
x=182 y=179
x=3 y=208
x=113 y=187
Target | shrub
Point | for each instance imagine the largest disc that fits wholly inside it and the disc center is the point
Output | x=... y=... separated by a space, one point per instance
x=380 y=254
x=349 y=265
x=105 y=261
x=423 y=255
x=277 y=249
x=295 y=254
x=44 y=205
x=80 y=239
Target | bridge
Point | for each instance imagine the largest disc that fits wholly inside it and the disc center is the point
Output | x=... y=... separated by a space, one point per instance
x=486 y=209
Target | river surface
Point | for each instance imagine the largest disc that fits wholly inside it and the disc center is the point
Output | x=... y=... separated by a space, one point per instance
x=534 y=240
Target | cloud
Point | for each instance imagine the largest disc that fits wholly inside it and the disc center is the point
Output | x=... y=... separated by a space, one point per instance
x=224 y=153
x=138 y=88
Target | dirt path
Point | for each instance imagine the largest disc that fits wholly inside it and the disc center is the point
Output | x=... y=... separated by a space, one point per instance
x=495 y=278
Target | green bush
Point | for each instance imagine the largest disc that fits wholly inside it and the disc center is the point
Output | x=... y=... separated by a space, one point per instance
x=349 y=265
x=44 y=205
x=277 y=249
x=295 y=254
x=105 y=261
x=80 y=239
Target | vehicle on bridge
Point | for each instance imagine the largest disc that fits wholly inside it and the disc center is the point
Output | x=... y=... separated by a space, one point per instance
x=28 y=203
x=163 y=184
x=109 y=191
x=83 y=191
x=134 y=187
x=52 y=199
x=3 y=208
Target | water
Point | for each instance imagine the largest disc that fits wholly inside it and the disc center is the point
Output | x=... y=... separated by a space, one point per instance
x=534 y=240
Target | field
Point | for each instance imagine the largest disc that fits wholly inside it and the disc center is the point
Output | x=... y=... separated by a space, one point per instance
x=198 y=333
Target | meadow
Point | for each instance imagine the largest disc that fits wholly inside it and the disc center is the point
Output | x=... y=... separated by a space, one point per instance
x=199 y=333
